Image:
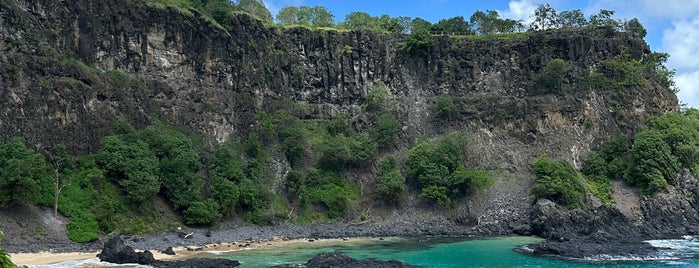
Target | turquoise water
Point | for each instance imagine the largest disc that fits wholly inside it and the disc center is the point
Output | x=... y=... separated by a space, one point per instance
x=439 y=252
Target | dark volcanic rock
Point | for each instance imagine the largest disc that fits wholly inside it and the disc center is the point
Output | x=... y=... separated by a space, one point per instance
x=168 y=251
x=338 y=259
x=116 y=251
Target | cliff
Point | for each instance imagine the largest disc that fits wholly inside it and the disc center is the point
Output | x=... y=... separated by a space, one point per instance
x=70 y=68
x=211 y=81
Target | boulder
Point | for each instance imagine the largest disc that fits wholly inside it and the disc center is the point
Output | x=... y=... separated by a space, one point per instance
x=338 y=259
x=116 y=251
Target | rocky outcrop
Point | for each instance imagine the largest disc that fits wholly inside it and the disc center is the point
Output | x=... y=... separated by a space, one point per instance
x=338 y=259
x=116 y=251
x=605 y=230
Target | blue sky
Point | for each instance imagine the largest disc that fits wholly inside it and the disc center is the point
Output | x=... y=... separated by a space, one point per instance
x=673 y=25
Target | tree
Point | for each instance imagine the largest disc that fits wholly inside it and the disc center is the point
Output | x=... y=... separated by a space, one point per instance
x=219 y=10
x=62 y=163
x=604 y=19
x=572 y=18
x=131 y=164
x=359 y=21
x=417 y=43
x=455 y=25
x=288 y=15
x=316 y=16
x=386 y=130
x=257 y=8
x=24 y=175
x=545 y=17
x=420 y=25
x=653 y=165
x=487 y=22
x=391 y=184
x=388 y=24
x=635 y=27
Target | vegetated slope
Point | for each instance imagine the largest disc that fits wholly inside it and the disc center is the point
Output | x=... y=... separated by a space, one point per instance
x=70 y=69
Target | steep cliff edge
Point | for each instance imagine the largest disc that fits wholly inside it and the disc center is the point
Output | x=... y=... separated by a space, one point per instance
x=71 y=68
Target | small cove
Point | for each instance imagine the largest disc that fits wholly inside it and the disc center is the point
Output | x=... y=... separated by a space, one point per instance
x=437 y=252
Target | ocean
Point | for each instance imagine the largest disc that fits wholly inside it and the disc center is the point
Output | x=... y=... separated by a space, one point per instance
x=441 y=252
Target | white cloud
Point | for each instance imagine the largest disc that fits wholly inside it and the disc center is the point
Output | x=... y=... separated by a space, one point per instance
x=519 y=10
x=682 y=42
x=275 y=5
x=689 y=88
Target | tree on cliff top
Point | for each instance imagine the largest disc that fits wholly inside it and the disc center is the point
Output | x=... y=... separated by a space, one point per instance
x=316 y=16
x=257 y=8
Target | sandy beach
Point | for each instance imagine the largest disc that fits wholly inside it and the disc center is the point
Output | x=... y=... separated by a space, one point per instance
x=181 y=252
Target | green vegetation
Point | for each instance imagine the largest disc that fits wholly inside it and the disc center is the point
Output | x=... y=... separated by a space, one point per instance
x=560 y=182
x=391 y=186
x=437 y=167
x=24 y=175
x=552 y=77
x=418 y=43
x=5 y=261
x=320 y=191
x=652 y=159
x=386 y=130
x=445 y=108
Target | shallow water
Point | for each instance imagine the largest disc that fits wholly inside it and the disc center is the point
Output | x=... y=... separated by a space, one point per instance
x=447 y=252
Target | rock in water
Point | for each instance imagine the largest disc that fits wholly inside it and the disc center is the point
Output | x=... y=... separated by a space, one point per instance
x=338 y=259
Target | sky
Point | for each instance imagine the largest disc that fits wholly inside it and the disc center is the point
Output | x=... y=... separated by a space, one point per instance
x=673 y=25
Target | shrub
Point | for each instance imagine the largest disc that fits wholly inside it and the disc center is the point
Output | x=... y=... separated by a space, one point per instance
x=320 y=191
x=418 y=43
x=559 y=182
x=340 y=151
x=386 y=130
x=376 y=98
x=653 y=165
x=83 y=228
x=553 y=76
x=132 y=164
x=24 y=175
x=391 y=186
x=202 y=213
x=438 y=169
x=444 y=107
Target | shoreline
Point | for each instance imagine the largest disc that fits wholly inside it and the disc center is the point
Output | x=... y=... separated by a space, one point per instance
x=182 y=252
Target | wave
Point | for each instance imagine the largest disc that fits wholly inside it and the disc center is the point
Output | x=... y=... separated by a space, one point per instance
x=91 y=263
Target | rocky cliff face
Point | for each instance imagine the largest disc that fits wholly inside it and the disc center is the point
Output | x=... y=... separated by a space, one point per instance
x=142 y=62
x=70 y=68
